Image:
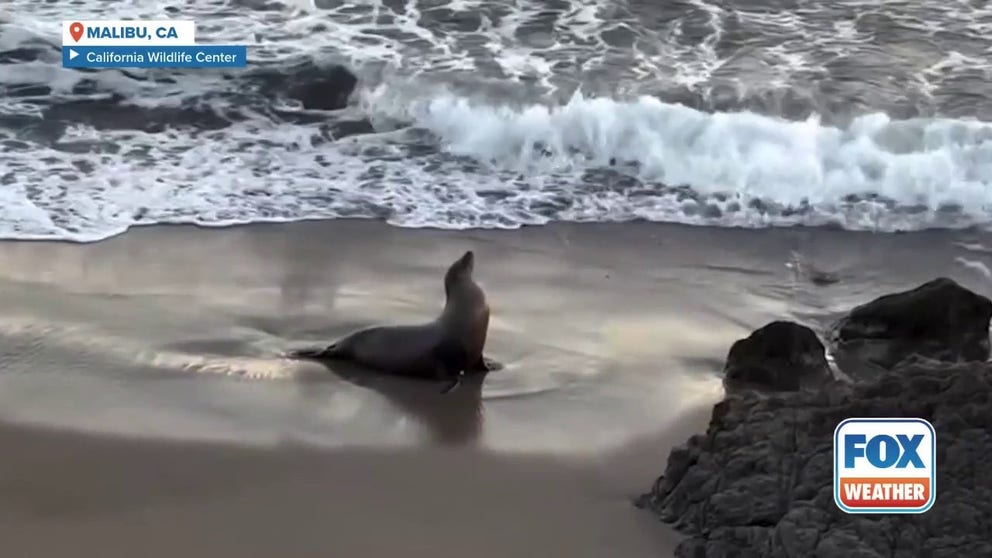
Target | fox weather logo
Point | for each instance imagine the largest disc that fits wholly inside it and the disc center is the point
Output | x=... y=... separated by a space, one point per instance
x=885 y=465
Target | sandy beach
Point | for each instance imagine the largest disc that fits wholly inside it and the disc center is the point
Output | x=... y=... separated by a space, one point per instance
x=146 y=408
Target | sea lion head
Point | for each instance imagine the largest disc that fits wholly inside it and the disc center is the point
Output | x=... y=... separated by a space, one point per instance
x=459 y=271
x=465 y=317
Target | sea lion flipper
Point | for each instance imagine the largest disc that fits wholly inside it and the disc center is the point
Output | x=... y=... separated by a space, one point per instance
x=478 y=366
x=484 y=364
x=450 y=363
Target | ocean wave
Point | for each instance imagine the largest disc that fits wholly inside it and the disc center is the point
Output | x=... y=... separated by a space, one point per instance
x=459 y=163
x=928 y=164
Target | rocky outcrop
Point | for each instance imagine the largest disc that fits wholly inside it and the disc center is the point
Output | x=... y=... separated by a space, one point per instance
x=759 y=482
x=781 y=356
x=115 y=112
x=939 y=320
x=325 y=89
x=315 y=86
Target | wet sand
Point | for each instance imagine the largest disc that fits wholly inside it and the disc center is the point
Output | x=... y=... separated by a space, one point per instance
x=147 y=410
x=79 y=495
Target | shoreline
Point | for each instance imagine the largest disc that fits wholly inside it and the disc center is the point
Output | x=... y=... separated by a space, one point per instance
x=140 y=228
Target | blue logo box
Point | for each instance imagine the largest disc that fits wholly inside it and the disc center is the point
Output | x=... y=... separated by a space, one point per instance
x=193 y=56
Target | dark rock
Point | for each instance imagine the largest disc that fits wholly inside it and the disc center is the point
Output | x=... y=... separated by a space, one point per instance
x=346 y=128
x=326 y=89
x=759 y=482
x=315 y=86
x=27 y=90
x=116 y=113
x=24 y=54
x=781 y=356
x=259 y=5
x=939 y=320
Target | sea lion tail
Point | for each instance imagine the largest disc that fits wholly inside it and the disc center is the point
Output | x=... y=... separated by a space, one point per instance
x=317 y=353
x=450 y=386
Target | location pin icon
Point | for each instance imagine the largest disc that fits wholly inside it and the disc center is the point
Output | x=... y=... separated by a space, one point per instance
x=76 y=30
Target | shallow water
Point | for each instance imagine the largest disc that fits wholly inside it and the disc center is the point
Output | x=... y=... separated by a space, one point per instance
x=606 y=332
x=179 y=332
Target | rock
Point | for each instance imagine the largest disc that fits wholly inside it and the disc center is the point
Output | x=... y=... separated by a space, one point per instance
x=24 y=55
x=346 y=128
x=781 y=356
x=327 y=89
x=115 y=112
x=759 y=482
x=938 y=320
x=315 y=86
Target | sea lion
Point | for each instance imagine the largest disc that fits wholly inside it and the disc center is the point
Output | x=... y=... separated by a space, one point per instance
x=442 y=349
